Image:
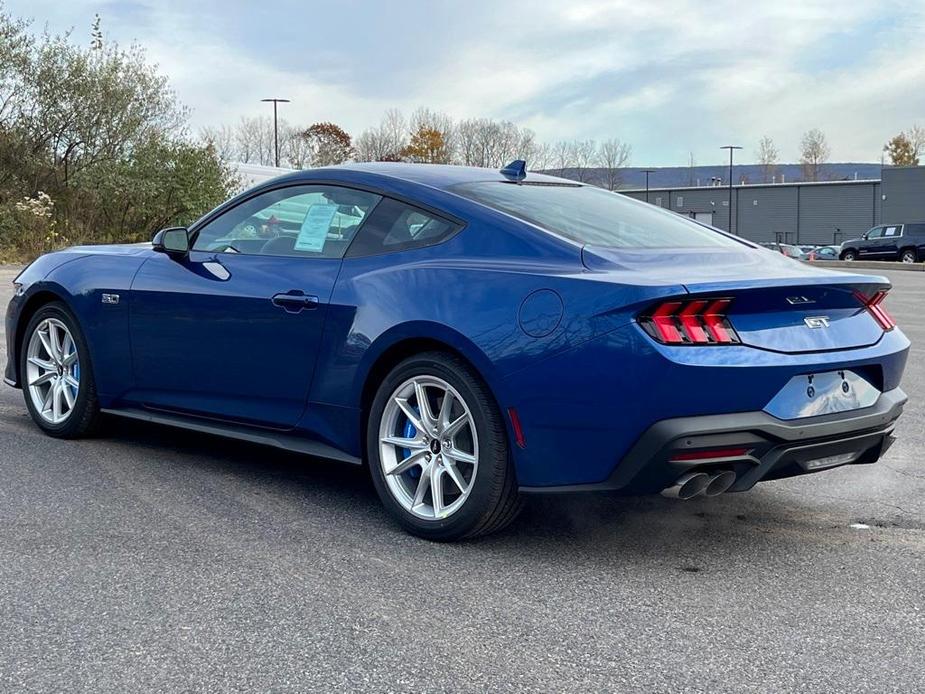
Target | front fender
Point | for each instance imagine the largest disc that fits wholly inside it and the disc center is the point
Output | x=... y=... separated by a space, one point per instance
x=79 y=282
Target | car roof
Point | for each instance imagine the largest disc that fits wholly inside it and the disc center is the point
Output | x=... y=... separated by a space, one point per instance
x=440 y=176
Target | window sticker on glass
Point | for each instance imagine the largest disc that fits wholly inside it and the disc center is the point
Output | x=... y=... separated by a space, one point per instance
x=314 y=231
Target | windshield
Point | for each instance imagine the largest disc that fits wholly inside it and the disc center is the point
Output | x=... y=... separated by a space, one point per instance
x=593 y=216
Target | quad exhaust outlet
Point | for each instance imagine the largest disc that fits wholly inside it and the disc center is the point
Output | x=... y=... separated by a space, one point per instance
x=692 y=484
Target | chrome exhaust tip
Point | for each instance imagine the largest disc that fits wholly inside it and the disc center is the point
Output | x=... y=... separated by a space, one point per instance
x=687 y=486
x=720 y=483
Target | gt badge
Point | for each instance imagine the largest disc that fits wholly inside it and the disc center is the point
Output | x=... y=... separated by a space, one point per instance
x=110 y=298
x=817 y=322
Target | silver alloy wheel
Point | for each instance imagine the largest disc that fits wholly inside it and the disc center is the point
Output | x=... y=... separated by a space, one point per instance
x=908 y=257
x=53 y=370
x=428 y=447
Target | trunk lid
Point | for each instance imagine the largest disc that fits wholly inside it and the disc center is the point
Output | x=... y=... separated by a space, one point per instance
x=778 y=304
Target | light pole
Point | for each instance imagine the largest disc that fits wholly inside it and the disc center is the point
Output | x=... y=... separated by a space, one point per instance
x=275 y=126
x=731 y=149
x=647 y=172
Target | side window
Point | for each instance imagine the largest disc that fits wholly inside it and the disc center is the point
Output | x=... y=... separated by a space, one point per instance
x=395 y=226
x=300 y=221
x=892 y=231
x=875 y=233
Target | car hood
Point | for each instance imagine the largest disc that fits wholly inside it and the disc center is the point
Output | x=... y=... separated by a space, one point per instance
x=110 y=249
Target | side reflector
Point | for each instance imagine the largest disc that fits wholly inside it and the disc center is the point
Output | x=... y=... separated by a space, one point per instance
x=692 y=322
x=720 y=453
x=875 y=307
x=518 y=429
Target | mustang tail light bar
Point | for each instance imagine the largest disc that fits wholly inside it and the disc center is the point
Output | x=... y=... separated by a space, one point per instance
x=874 y=306
x=691 y=322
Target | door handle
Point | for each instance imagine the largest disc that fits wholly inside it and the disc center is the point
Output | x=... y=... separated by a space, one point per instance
x=295 y=301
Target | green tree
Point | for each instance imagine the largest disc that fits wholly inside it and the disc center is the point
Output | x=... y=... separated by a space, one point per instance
x=99 y=132
x=901 y=151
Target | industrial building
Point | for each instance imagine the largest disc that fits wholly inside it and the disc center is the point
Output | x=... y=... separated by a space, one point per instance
x=802 y=213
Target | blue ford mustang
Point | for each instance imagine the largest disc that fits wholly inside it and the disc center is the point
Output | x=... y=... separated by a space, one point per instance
x=472 y=335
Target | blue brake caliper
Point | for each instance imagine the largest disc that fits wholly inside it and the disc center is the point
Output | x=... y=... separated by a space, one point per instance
x=409 y=432
x=76 y=376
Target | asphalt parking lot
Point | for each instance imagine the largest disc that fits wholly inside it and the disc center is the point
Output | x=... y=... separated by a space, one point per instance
x=155 y=560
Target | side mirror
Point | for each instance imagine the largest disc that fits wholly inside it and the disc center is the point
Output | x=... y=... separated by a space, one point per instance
x=173 y=241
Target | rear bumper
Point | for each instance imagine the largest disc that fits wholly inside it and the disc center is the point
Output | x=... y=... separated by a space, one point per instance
x=776 y=448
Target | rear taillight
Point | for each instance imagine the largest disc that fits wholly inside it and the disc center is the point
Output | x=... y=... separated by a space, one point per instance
x=874 y=305
x=690 y=322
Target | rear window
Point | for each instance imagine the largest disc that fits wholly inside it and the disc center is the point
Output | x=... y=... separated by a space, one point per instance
x=593 y=216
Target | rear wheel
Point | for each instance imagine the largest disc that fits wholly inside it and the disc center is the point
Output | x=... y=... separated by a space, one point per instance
x=909 y=255
x=849 y=255
x=438 y=450
x=56 y=373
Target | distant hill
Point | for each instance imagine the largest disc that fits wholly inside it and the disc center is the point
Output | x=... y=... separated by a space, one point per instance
x=681 y=176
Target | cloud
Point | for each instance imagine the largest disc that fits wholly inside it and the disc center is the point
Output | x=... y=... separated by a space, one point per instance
x=670 y=77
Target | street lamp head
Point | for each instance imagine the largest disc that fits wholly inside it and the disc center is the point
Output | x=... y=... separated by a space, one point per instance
x=278 y=101
x=730 y=147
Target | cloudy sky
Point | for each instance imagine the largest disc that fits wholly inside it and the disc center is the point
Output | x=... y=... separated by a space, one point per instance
x=668 y=76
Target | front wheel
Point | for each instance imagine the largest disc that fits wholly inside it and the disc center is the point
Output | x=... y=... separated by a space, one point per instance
x=57 y=378
x=849 y=256
x=438 y=451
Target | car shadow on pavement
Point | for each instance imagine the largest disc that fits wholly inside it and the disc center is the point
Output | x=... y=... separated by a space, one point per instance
x=559 y=525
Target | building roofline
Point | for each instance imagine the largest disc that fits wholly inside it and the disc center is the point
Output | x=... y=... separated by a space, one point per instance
x=788 y=184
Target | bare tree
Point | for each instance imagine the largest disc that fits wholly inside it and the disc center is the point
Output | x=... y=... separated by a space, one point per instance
x=384 y=142
x=613 y=156
x=222 y=140
x=814 y=152
x=250 y=141
x=492 y=144
x=916 y=135
x=295 y=148
x=563 y=157
x=541 y=157
x=254 y=140
x=767 y=158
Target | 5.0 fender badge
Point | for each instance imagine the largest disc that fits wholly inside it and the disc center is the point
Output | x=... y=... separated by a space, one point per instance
x=110 y=298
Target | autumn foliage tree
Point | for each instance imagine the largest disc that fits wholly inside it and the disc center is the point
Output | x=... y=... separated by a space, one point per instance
x=328 y=144
x=427 y=146
x=902 y=151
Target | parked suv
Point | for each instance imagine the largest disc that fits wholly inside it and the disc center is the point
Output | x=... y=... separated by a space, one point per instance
x=903 y=242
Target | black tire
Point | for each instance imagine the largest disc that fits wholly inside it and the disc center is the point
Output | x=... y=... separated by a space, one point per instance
x=908 y=255
x=85 y=415
x=494 y=500
x=849 y=255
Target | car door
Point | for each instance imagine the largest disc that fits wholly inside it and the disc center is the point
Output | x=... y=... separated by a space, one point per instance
x=867 y=246
x=233 y=330
x=888 y=246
